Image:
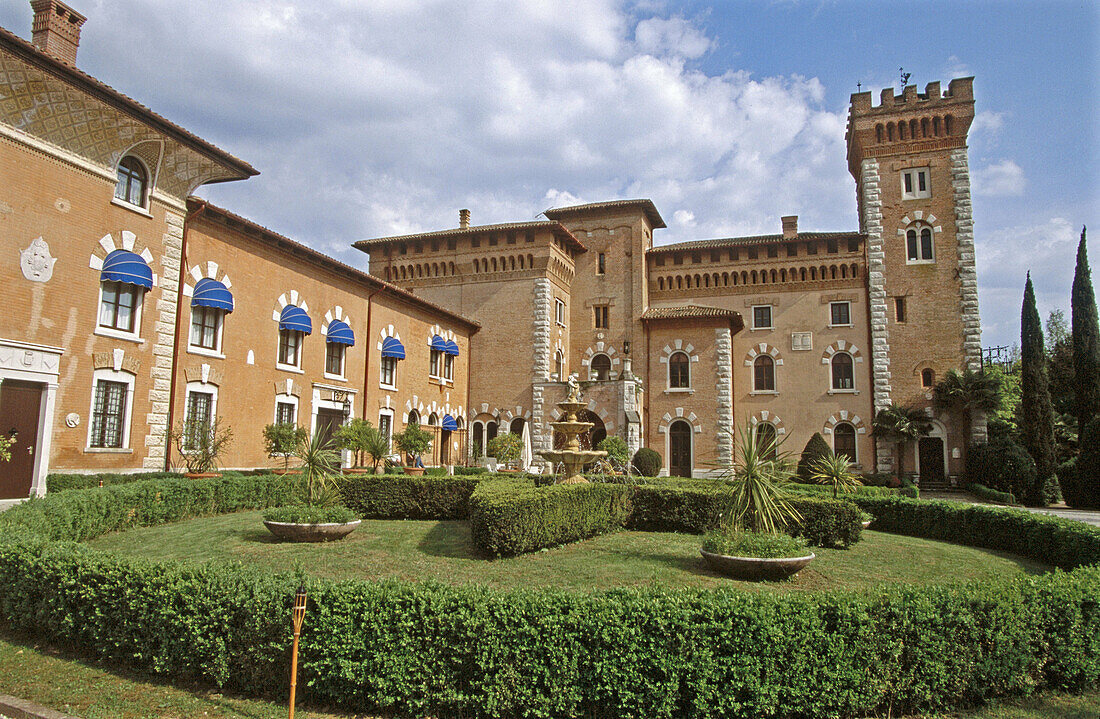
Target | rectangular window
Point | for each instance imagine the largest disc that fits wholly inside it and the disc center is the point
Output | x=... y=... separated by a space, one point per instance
x=448 y=367
x=899 y=309
x=435 y=368
x=762 y=317
x=840 y=313
x=109 y=414
x=831 y=247
x=792 y=250
x=334 y=358
x=204 y=327
x=773 y=251
x=389 y=371
x=601 y=264
x=118 y=306
x=290 y=343
x=200 y=406
x=915 y=184
x=660 y=261
x=853 y=244
x=385 y=426
x=559 y=312
x=601 y=317
x=284 y=413
x=811 y=248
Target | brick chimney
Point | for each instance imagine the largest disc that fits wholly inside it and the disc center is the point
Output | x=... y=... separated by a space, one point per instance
x=463 y=219
x=56 y=29
x=790 y=227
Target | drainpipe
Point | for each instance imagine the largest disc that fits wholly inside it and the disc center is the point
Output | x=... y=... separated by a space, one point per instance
x=176 y=339
x=366 y=359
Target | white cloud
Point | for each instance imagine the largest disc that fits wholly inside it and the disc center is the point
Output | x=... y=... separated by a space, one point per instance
x=955 y=67
x=684 y=217
x=1000 y=179
x=672 y=36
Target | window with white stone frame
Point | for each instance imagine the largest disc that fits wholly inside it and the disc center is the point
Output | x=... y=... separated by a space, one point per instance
x=840 y=314
x=559 y=312
x=762 y=317
x=111 y=409
x=679 y=371
x=919 y=244
x=915 y=183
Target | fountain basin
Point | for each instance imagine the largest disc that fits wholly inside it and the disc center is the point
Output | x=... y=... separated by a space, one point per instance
x=582 y=457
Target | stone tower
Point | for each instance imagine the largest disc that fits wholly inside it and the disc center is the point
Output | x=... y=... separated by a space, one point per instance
x=908 y=156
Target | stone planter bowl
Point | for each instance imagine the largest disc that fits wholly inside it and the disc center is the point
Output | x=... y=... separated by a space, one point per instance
x=291 y=532
x=754 y=568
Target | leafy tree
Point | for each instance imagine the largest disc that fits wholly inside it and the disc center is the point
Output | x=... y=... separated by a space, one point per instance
x=1003 y=420
x=413 y=441
x=201 y=444
x=616 y=449
x=281 y=439
x=361 y=437
x=1036 y=413
x=834 y=470
x=1085 y=340
x=6 y=442
x=969 y=393
x=1081 y=483
x=901 y=425
x=815 y=447
x=505 y=448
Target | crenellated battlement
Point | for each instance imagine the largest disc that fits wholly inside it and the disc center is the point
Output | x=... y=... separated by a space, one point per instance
x=959 y=91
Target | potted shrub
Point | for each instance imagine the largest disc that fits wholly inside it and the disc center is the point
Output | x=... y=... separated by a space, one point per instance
x=201 y=445
x=317 y=516
x=836 y=471
x=364 y=440
x=281 y=439
x=505 y=449
x=413 y=442
x=748 y=542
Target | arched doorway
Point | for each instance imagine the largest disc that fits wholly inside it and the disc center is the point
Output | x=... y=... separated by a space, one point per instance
x=930 y=460
x=516 y=427
x=600 y=368
x=679 y=449
x=765 y=437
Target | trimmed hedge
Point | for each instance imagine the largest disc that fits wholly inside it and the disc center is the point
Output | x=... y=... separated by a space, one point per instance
x=428 y=649
x=374 y=496
x=515 y=517
x=984 y=492
x=62 y=482
x=1064 y=543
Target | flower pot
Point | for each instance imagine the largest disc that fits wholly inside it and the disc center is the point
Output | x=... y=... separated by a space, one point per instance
x=357 y=470
x=201 y=475
x=414 y=471
x=293 y=532
x=282 y=472
x=755 y=568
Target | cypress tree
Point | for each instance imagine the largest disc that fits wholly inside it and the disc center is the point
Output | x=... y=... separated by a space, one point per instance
x=1036 y=414
x=1086 y=341
x=815 y=447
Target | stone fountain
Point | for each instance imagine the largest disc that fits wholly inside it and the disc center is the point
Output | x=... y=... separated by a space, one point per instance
x=571 y=455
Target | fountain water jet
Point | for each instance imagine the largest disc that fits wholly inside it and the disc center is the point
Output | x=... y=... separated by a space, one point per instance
x=571 y=455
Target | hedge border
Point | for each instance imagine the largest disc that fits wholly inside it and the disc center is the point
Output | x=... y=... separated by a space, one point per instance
x=427 y=649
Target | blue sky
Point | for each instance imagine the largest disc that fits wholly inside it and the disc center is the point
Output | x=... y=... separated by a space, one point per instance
x=368 y=119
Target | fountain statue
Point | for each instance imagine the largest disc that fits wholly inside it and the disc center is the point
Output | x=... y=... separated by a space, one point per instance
x=571 y=455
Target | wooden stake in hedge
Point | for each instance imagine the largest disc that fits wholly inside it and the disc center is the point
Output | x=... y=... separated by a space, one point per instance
x=298 y=615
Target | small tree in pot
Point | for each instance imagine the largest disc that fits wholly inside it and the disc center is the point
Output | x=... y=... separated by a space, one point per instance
x=414 y=442
x=281 y=439
x=505 y=448
x=362 y=438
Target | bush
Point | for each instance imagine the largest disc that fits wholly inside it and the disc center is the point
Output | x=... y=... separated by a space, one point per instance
x=878 y=479
x=301 y=514
x=408 y=497
x=62 y=482
x=647 y=462
x=470 y=471
x=762 y=545
x=984 y=492
x=505 y=448
x=1080 y=476
x=1003 y=465
x=514 y=517
x=817 y=489
x=617 y=451
x=816 y=447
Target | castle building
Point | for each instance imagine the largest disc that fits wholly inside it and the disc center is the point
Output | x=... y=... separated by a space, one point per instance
x=135 y=307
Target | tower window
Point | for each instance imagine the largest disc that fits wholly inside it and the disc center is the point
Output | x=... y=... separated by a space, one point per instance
x=927 y=378
x=763 y=374
x=840 y=314
x=678 y=373
x=918 y=244
x=899 y=309
x=915 y=184
x=559 y=312
x=601 y=264
x=601 y=317
x=843 y=375
x=600 y=367
x=762 y=317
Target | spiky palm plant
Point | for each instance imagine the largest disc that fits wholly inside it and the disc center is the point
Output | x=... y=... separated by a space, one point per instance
x=757 y=501
x=901 y=425
x=968 y=392
x=320 y=461
x=835 y=470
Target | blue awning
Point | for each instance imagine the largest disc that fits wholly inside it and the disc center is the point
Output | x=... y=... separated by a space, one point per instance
x=211 y=293
x=392 y=347
x=295 y=318
x=449 y=423
x=438 y=343
x=128 y=267
x=452 y=348
x=339 y=332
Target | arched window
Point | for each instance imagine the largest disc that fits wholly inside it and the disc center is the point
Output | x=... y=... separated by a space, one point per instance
x=490 y=431
x=879 y=133
x=763 y=374
x=601 y=367
x=413 y=418
x=765 y=438
x=843 y=375
x=559 y=365
x=133 y=181
x=918 y=243
x=516 y=427
x=478 y=430
x=433 y=420
x=679 y=374
x=927 y=378
x=844 y=441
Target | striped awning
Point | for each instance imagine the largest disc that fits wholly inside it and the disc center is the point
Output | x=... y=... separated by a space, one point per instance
x=449 y=423
x=128 y=267
x=295 y=318
x=340 y=332
x=211 y=293
x=438 y=343
x=451 y=348
x=392 y=347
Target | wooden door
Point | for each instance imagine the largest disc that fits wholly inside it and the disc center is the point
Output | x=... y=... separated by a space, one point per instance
x=19 y=415
x=679 y=449
x=931 y=460
x=327 y=422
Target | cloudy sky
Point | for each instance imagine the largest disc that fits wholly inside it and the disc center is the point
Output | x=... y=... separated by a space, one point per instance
x=383 y=117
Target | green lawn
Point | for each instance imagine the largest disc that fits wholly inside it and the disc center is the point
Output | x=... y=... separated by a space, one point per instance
x=414 y=550
x=95 y=690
